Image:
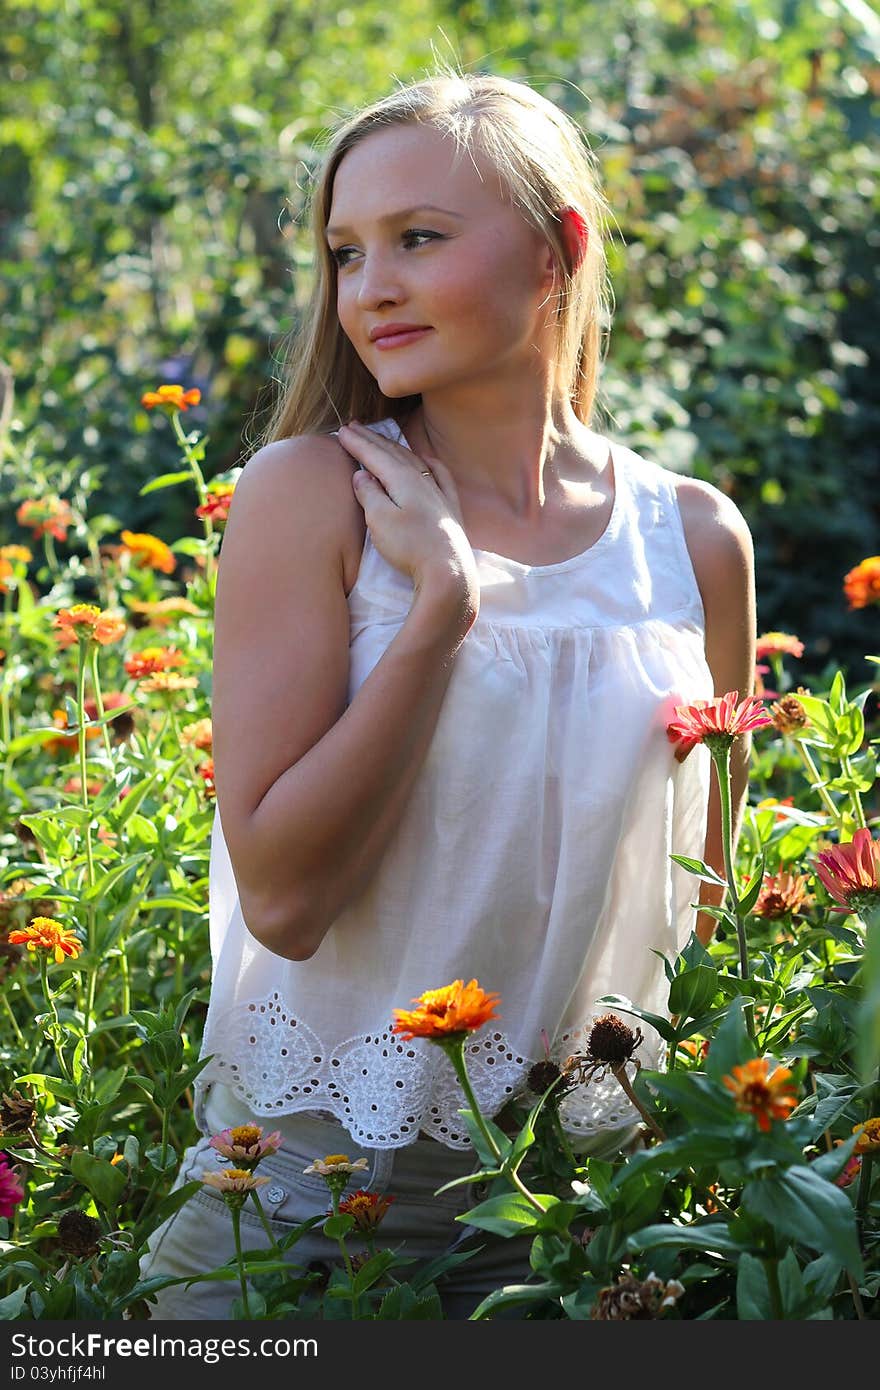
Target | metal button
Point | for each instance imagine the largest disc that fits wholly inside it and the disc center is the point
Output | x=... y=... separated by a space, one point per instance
x=275 y=1194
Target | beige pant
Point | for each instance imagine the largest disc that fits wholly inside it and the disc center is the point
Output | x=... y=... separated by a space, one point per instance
x=198 y=1237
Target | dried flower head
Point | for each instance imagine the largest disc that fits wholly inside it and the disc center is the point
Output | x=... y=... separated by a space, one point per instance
x=632 y=1299
x=542 y=1075
x=16 y=1113
x=78 y=1234
x=611 y=1043
x=788 y=714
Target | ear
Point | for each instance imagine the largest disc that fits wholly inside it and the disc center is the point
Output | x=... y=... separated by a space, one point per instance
x=575 y=234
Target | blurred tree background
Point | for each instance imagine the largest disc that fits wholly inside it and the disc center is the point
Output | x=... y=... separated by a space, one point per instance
x=153 y=166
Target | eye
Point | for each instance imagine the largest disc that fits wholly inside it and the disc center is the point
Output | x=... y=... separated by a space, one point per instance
x=341 y=253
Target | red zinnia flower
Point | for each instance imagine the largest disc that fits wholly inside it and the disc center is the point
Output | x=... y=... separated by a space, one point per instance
x=851 y=872
x=716 y=721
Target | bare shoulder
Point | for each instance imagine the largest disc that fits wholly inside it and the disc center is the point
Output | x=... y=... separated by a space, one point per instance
x=311 y=471
x=718 y=538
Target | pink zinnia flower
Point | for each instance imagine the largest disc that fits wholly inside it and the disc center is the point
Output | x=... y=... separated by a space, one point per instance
x=11 y=1190
x=851 y=872
x=783 y=643
x=246 y=1144
x=716 y=721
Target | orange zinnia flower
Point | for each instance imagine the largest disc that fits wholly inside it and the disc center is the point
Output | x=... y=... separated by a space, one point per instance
x=46 y=934
x=781 y=643
x=766 y=1097
x=447 y=1013
x=7 y=570
x=199 y=734
x=163 y=611
x=868 y=1141
x=168 y=681
x=217 y=502
x=851 y=872
x=714 y=722
x=171 y=398
x=16 y=552
x=152 y=659
x=148 y=552
x=780 y=893
x=50 y=514
x=85 y=621
x=862 y=584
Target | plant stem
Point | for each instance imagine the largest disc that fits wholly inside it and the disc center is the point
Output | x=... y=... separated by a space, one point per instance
x=721 y=763
x=815 y=778
x=235 y=1213
x=265 y=1220
x=619 y=1073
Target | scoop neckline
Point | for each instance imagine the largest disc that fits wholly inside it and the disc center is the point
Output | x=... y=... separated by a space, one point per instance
x=611 y=528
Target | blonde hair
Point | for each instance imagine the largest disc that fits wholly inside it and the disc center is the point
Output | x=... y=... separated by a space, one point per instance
x=544 y=165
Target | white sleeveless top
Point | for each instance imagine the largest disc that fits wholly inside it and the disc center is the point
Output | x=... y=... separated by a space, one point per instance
x=533 y=854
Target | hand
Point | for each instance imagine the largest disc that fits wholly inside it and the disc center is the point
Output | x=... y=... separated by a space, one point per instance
x=415 y=521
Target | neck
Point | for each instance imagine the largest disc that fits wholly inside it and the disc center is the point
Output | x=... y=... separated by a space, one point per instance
x=503 y=455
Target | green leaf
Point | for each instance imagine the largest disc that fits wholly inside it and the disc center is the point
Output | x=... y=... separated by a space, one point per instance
x=508 y=1214
x=49 y=1085
x=336 y=1226
x=105 y=1182
x=166 y=480
x=800 y=1204
x=698 y=1098
x=752 y=1291
x=752 y=889
x=692 y=991
x=731 y=1045
x=712 y=1237
x=699 y=868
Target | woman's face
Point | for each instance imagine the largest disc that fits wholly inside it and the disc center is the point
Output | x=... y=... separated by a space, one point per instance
x=474 y=273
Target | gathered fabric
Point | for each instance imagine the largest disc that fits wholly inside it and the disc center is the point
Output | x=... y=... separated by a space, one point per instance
x=533 y=853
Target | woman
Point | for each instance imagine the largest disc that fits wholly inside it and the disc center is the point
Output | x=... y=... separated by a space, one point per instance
x=447 y=646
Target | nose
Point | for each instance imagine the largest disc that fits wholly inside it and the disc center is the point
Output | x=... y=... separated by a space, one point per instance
x=377 y=283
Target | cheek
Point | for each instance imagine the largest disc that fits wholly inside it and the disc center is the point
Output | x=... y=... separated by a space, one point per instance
x=488 y=296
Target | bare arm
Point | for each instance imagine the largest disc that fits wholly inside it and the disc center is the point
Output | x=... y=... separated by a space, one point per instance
x=311 y=792
x=720 y=546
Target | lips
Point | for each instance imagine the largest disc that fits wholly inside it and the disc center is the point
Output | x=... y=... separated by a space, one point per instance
x=396 y=330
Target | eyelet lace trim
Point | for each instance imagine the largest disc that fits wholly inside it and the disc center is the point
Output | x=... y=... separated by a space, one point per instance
x=384 y=1090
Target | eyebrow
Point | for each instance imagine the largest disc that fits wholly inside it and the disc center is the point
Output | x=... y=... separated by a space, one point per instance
x=399 y=216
